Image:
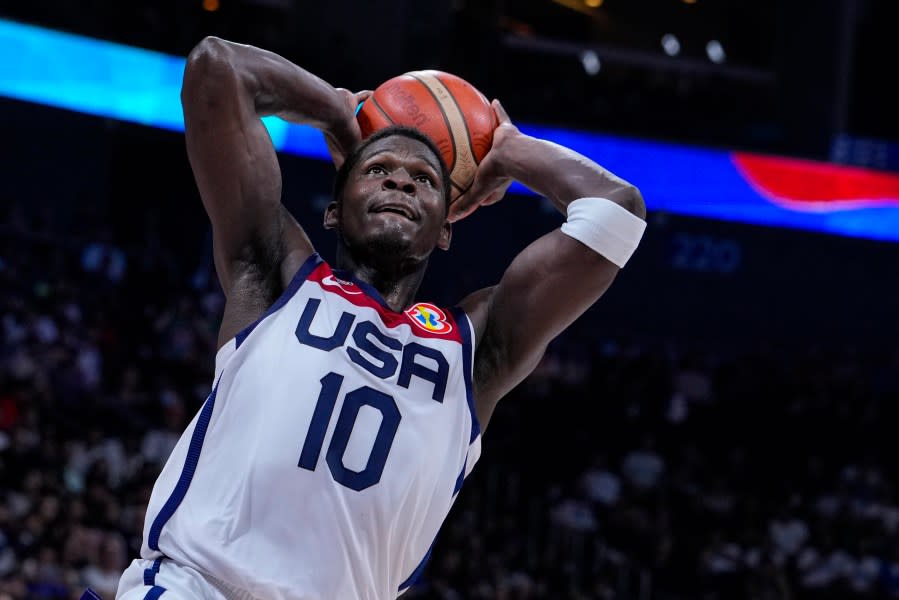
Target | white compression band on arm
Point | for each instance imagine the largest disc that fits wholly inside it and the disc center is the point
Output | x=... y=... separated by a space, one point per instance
x=605 y=227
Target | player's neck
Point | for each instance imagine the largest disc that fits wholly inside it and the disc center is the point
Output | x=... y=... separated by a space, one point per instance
x=397 y=283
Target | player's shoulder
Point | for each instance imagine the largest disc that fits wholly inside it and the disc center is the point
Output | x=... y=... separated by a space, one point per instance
x=476 y=306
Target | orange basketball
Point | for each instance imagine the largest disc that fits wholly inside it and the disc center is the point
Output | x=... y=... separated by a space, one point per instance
x=446 y=108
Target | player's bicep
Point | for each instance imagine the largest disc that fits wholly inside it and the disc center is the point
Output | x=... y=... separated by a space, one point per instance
x=548 y=285
x=234 y=163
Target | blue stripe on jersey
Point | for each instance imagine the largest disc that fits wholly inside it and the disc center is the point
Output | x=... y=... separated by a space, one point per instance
x=150 y=574
x=467 y=346
x=187 y=474
x=461 y=478
x=366 y=287
x=416 y=574
x=154 y=593
x=90 y=594
x=466 y=334
x=302 y=273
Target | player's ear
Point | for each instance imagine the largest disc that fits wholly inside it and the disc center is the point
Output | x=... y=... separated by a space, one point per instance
x=446 y=236
x=332 y=216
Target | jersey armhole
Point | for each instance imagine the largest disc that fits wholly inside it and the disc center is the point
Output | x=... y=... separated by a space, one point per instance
x=222 y=357
x=466 y=332
x=225 y=353
x=299 y=278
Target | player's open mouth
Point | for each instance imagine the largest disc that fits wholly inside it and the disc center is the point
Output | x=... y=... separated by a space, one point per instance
x=393 y=207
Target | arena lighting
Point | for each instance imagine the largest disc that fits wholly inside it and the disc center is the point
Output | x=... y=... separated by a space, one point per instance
x=95 y=77
x=590 y=61
x=670 y=44
x=715 y=51
x=110 y=80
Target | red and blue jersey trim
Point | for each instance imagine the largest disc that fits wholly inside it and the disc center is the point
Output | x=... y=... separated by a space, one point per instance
x=425 y=319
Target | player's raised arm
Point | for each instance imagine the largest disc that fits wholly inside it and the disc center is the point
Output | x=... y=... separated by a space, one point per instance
x=227 y=88
x=559 y=276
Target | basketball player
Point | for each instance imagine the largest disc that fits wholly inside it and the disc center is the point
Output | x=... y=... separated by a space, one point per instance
x=345 y=414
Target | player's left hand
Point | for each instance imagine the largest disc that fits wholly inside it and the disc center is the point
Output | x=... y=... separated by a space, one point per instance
x=490 y=181
x=343 y=136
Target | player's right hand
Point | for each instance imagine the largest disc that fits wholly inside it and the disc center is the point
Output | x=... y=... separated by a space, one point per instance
x=491 y=180
x=344 y=135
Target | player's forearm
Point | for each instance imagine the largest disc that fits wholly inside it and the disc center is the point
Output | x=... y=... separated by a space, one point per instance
x=273 y=85
x=563 y=175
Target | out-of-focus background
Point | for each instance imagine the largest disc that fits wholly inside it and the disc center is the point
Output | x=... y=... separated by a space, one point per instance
x=720 y=425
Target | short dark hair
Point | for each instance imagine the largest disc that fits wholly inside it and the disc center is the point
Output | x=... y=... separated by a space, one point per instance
x=344 y=171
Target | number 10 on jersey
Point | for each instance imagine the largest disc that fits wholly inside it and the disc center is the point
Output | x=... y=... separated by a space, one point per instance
x=346 y=420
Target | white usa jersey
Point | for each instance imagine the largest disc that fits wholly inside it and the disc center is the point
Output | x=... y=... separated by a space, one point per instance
x=331 y=448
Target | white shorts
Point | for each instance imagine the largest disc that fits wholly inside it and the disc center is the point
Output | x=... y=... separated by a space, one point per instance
x=148 y=579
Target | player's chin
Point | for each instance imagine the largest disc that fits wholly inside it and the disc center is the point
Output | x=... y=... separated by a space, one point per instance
x=390 y=241
x=392 y=227
x=399 y=245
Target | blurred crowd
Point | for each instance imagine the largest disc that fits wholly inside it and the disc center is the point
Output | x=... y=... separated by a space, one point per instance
x=620 y=469
x=702 y=475
x=106 y=354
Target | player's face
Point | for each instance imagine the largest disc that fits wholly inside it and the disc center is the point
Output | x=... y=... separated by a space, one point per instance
x=393 y=200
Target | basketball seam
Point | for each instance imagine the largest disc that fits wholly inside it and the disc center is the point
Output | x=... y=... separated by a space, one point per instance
x=446 y=121
x=470 y=141
x=464 y=124
x=428 y=81
x=381 y=110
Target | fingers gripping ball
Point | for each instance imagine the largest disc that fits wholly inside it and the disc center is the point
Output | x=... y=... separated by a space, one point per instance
x=446 y=108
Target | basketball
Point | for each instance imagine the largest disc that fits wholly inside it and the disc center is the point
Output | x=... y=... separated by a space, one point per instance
x=446 y=108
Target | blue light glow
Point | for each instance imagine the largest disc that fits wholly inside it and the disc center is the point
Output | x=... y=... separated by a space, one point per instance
x=111 y=80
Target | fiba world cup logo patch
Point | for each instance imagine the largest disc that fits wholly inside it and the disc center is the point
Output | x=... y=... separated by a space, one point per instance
x=429 y=317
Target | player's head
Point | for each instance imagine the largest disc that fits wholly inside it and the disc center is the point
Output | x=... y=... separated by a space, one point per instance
x=391 y=199
x=354 y=157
